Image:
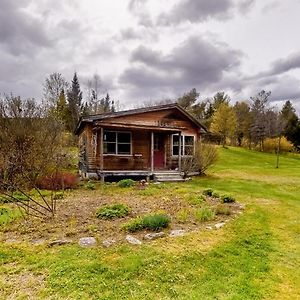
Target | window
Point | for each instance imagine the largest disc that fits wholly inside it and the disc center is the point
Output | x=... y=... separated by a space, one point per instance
x=118 y=143
x=187 y=145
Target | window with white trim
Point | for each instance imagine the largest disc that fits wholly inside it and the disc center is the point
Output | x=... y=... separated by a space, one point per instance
x=116 y=142
x=187 y=145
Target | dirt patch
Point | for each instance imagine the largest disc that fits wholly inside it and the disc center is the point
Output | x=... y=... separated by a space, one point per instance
x=76 y=218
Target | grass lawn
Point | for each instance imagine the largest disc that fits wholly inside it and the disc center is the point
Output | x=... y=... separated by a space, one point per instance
x=256 y=255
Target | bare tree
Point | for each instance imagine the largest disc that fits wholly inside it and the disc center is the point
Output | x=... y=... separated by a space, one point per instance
x=30 y=147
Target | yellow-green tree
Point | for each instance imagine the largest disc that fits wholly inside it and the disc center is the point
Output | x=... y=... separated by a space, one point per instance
x=224 y=122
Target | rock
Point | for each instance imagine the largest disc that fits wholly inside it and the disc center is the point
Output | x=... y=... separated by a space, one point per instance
x=107 y=243
x=87 y=242
x=209 y=227
x=58 y=243
x=132 y=240
x=178 y=232
x=153 y=236
x=219 y=225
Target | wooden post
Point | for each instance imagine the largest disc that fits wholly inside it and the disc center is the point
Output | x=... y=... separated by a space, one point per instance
x=179 y=153
x=101 y=149
x=152 y=151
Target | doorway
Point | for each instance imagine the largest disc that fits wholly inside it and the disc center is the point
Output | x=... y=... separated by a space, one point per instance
x=159 y=151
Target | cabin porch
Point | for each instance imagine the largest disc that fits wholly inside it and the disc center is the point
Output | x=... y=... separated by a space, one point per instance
x=132 y=152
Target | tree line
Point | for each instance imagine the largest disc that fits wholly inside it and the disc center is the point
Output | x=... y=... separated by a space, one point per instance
x=65 y=100
x=244 y=123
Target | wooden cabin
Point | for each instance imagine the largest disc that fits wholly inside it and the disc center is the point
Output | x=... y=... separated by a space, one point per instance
x=139 y=142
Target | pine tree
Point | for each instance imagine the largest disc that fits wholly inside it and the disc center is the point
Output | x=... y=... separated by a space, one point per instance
x=74 y=103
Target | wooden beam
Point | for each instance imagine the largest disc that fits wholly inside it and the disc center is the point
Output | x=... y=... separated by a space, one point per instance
x=152 y=151
x=101 y=149
x=179 y=154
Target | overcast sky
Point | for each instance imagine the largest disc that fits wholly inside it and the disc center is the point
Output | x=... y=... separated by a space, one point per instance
x=152 y=49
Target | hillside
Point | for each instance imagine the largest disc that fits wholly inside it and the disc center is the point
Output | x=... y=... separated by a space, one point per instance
x=256 y=255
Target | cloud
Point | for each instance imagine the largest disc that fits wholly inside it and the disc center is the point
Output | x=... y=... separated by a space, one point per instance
x=20 y=32
x=195 y=63
x=197 y=11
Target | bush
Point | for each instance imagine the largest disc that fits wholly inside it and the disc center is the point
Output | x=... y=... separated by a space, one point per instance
x=151 y=222
x=112 y=211
x=222 y=209
x=208 y=192
x=58 y=181
x=126 y=183
x=227 y=199
x=90 y=186
x=204 y=214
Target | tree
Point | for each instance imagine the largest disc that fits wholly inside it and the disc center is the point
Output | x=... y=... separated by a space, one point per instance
x=74 y=103
x=30 y=147
x=188 y=100
x=259 y=107
x=224 y=122
x=53 y=87
x=243 y=115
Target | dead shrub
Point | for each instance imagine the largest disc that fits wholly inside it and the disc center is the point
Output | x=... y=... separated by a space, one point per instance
x=58 y=181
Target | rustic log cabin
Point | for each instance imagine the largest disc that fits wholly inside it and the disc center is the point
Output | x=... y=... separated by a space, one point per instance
x=142 y=142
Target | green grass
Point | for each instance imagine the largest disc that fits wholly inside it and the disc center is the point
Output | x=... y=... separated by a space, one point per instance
x=256 y=256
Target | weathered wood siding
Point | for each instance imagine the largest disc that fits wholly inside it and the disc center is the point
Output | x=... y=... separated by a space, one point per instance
x=90 y=141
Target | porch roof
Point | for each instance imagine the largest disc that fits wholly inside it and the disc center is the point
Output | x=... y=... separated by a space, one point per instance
x=137 y=126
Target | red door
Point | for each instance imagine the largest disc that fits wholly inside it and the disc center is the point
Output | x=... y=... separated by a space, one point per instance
x=159 y=151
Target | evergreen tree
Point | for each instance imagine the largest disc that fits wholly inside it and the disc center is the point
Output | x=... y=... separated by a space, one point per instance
x=74 y=103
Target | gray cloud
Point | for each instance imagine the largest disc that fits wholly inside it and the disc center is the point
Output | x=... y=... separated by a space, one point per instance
x=196 y=11
x=196 y=62
x=20 y=32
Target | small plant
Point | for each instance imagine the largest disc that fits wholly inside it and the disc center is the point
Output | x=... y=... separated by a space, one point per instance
x=156 y=222
x=90 y=186
x=204 y=214
x=126 y=183
x=150 y=222
x=183 y=215
x=215 y=195
x=208 y=192
x=222 y=209
x=227 y=199
x=196 y=199
x=112 y=211
x=133 y=225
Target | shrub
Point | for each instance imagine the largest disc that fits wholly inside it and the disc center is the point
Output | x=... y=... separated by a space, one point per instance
x=227 y=199
x=112 y=211
x=222 y=209
x=126 y=183
x=204 y=214
x=58 y=181
x=151 y=222
x=8 y=215
x=90 y=185
x=208 y=192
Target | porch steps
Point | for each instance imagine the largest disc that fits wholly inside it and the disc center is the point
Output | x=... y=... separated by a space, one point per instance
x=168 y=177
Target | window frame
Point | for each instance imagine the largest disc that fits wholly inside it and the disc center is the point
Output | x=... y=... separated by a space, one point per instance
x=183 y=145
x=116 y=143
